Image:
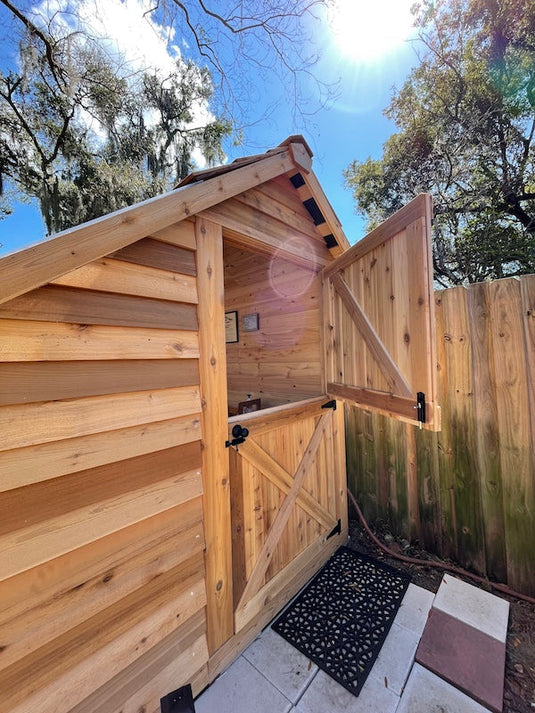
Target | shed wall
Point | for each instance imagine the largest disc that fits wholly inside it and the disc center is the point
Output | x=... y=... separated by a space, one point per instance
x=101 y=537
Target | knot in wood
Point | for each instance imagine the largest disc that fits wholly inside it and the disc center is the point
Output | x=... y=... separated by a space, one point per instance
x=219 y=586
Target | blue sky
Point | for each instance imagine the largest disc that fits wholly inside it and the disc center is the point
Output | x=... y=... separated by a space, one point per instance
x=350 y=127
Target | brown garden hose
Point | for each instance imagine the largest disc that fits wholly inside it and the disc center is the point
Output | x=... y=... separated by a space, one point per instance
x=437 y=565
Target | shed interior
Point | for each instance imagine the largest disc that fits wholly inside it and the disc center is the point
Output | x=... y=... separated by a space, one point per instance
x=276 y=305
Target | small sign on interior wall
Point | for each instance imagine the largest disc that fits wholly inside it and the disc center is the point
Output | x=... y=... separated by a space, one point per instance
x=250 y=322
x=231 y=327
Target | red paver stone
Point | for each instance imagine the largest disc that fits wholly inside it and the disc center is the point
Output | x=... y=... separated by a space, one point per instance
x=465 y=657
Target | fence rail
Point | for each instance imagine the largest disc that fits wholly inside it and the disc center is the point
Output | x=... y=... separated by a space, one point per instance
x=467 y=492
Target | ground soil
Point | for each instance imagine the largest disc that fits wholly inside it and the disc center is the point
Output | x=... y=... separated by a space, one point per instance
x=519 y=691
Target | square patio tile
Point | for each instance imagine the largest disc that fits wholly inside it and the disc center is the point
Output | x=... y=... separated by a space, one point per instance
x=395 y=659
x=466 y=657
x=283 y=665
x=427 y=693
x=474 y=606
x=324 y=695
x=414 y=609
x=242 y=689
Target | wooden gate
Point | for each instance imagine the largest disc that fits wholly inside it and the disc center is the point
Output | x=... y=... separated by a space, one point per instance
x=288 y=498
x=379 y=319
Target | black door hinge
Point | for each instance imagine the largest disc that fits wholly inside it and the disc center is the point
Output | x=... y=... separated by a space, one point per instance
x=179 y=701
x=420 y=407
x=330 y=404
x=337 y=529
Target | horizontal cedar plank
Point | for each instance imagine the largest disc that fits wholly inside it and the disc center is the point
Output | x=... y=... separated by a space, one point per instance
x=59 y=529
x=248 y=284
x=50 y=341
x=259 y=243
x=33 y=267
x=154 y=253
x=26 y=382
x=284 y=322
x=396 y=223
x=391 y=405
x=255 y=352
x=275 y=305
x=282 y=191
x=280 y=339
x=274 y=397
x=66 y=304
x=260 y=422
x=269 y=232
x=68 y=575
x=108 y=275
x=27 y=507
x=181 y=234
x=292 y=370
x=48 y=600
x=288 y=388
x=287 y=214
x=173 y=662
x=54 y=420
x=268 y=401
x=34 y=464
x=264 y=381
x=55 y=677
x=260 y=217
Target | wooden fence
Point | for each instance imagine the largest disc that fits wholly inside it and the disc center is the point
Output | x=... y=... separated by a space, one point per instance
x=467 y=492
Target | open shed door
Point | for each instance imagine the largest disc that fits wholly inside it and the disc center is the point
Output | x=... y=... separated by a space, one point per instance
x=379 y=319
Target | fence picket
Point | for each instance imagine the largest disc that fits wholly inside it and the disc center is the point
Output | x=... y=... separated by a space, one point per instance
x=475 y=484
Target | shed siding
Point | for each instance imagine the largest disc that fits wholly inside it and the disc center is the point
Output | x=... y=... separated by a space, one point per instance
x=101 y=537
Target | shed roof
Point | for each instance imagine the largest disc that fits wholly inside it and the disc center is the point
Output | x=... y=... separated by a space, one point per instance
x=39 y=264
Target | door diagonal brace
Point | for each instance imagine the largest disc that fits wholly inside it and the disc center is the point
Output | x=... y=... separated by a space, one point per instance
x=279 y=523
x=394 y=377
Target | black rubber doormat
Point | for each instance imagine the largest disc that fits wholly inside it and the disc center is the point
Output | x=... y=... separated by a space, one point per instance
x=341 y=619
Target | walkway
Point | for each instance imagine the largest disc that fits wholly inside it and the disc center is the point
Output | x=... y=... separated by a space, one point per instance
x=459 y=633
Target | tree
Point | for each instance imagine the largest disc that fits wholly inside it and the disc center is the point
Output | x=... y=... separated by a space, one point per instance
x=466 y=120
x=273 y=35
x=85 y=135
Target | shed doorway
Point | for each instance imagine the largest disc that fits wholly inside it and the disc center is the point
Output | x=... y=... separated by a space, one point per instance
x=287 y=479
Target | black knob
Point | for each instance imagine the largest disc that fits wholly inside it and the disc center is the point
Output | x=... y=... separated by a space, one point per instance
x=239 y=431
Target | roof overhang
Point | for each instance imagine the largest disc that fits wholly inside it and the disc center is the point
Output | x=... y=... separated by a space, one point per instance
x=39 y=264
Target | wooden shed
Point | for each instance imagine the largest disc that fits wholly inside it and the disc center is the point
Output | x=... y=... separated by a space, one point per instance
x=139 y=549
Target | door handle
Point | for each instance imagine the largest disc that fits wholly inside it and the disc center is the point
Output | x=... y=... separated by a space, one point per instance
x=239 y=434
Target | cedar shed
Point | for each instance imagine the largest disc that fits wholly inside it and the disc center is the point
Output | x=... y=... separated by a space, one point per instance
x=172 y=461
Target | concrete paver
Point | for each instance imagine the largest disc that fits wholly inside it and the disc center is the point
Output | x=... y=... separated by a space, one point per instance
x=242 y=689
x=474 y=606
x=425 y=692
x=286 y=667
x=324 y=695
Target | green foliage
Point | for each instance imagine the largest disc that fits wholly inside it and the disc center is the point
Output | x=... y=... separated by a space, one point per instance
x=86 y=138
x=466 y=120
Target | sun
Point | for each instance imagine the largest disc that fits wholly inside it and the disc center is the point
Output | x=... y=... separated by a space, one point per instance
x=367 y=30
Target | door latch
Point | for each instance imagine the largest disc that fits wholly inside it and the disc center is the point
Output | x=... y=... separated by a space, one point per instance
x=239 y=434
